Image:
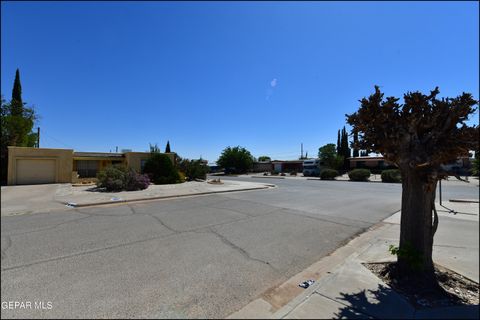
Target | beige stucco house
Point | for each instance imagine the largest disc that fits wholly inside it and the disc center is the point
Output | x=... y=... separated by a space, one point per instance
x=42 y=165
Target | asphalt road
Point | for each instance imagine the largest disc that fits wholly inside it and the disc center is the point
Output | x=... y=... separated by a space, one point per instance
x=185 y=258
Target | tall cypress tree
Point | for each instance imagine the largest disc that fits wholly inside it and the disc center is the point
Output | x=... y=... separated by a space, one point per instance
x=17 y=102
x=167 y=148
x=345 y=148
x=17 y=122
x=339 y=143
x=355 y=140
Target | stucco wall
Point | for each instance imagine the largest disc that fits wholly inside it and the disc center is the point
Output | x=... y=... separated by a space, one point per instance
x=63 y=159
x=133 y=159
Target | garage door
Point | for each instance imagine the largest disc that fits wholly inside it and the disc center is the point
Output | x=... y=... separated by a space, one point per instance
x=35 y=171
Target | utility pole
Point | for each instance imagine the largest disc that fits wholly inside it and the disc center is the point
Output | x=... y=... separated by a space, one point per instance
x=301 y=152
x=38 y=137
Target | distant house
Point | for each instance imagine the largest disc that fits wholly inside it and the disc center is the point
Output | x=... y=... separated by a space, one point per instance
x=42 y=165
x=287 y=165
x=369 y=162
x=461 y=166
x=262 y=166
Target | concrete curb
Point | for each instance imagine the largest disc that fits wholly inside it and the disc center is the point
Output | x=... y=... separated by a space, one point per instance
x=318 y=179
x=268 y=177
x=75 y=205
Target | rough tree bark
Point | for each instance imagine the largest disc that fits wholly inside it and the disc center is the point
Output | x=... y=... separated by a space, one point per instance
x=417 y=226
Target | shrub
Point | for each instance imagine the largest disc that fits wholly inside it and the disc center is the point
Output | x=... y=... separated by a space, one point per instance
x=193 y=169
x=328 y=174
x=475 y=166
x=119 y=178
x=293 y=173
x=160 y=169
x=274 y=173
x=283 y=174
x=392 y=175
x=112 y=178
x=359 y=175
x=135 y=181
x=182 y=176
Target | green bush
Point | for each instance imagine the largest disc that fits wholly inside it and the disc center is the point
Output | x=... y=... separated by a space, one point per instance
x=293 y=173
x=193 y=169
x=392 y=175
x=328 y=174
x=359 y=174
x=475 y=166
x=235 y=160
x=160 y=169
x=119 y=178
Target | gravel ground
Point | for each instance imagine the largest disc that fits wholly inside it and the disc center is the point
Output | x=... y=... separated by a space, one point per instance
x=454 y=288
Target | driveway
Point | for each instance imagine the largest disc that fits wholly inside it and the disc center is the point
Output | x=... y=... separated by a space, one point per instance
x=202 y=257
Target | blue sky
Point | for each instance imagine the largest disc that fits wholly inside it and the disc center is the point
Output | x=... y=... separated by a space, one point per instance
x=263 y=75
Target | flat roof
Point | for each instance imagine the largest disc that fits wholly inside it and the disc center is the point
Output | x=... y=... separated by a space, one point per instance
x=98 y=154
x=288 y=161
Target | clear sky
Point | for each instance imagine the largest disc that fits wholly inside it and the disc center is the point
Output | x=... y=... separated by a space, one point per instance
x=263 y=75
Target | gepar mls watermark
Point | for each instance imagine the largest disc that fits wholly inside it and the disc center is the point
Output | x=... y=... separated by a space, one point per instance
x=27 y=305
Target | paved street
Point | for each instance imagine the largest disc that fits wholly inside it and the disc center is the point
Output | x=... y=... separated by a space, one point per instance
x=193 y=257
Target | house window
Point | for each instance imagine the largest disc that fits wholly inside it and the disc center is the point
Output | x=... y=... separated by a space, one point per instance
x=142 y=164
x=87 y=168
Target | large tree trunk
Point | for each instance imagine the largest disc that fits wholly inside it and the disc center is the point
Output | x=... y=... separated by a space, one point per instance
x=417 y=227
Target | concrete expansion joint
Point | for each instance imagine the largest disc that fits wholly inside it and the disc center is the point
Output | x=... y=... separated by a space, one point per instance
x=348 y=306
x=239 y=249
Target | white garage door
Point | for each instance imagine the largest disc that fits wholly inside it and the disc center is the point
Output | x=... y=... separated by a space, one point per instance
x=35 y=171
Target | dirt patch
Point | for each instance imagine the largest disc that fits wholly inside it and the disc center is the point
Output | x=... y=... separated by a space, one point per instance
x=453 y=290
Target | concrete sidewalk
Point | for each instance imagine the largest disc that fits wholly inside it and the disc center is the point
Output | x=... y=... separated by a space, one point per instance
x=344 y=288
x=40 y=198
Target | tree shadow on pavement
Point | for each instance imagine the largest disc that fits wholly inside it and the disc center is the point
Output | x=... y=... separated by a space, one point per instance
x=367 y=304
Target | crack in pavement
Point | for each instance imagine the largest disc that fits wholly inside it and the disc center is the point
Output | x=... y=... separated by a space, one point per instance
x=8 y=240
x=84 y=253
x=134 y=211
x=243 y=213
x=308 y=214
x=47 y=228
x=240 y=250
x=175 y=232
x=101 y=214
x=163 y=223
x=202 y=229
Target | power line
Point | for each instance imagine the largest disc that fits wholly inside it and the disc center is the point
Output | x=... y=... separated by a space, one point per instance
x=54 y=139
